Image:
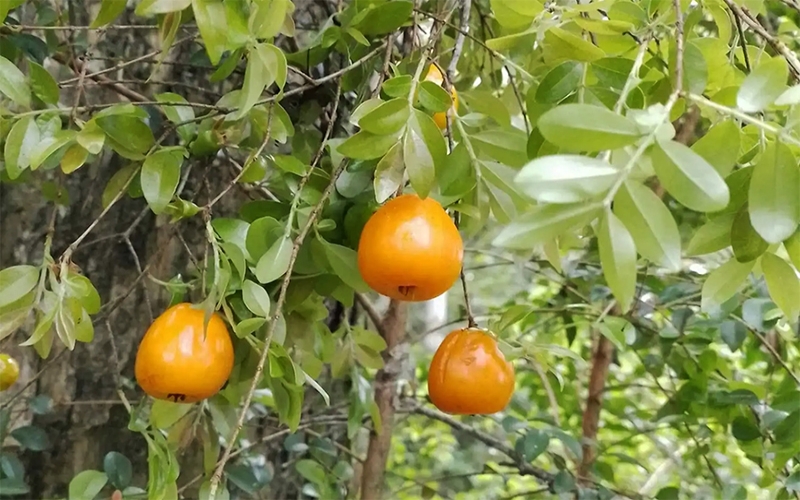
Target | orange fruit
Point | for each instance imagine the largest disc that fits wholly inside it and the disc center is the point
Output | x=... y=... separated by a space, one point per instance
x=435 y=75
x=469 y=375
x=9 y=371
x=178 y=361
x=410 y=249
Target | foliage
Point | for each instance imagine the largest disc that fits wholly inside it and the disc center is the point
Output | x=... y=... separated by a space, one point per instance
x=634 y=162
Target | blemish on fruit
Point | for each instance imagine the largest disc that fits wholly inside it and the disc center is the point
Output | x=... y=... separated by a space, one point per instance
x=406 y=291
x=176 y=397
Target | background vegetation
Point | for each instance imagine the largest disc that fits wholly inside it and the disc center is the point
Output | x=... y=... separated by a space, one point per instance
x=626 y=180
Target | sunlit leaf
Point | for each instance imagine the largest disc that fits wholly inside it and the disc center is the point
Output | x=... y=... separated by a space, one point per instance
x=774 y=194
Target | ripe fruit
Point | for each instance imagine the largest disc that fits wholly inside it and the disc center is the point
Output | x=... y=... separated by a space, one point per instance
x=9 y=371
x=469 y=375
x=435 y=75
x=410 y=249
x=176 y=363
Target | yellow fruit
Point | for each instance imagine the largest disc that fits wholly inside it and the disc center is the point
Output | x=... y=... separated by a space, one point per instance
x=9 y=371
x=435 y=75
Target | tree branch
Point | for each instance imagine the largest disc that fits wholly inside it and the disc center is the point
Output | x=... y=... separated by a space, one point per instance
x=394 y=327
x=744 y=14
x=523 y=466
x=601 y=359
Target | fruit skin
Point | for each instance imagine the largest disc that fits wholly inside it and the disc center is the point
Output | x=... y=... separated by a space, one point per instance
x=435 y=75
x=410 y=250
x=175 y=363
x=9 y=371
x=469 y=375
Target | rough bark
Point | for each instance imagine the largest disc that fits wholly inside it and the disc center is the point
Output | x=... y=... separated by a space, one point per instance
x=374 y=469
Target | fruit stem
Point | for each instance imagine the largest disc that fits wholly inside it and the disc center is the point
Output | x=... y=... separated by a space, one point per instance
x=471 y=323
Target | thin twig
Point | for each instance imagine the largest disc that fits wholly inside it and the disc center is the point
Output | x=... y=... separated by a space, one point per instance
x=373 y=314
x=480 y=42
x=244 y=169
x=744 y=14
x=519 y=460
x=312 y=216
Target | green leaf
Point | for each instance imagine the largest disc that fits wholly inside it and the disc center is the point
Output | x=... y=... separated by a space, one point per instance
x=389 y=174
x=583 y=127
x=720 y=146
x=733 y=334
x=366 y=146
x=43 y=84
x=563 y=43
x=723 y=283
x=783 y=284
x=747 y=244
x=74 y=158
x=507 y=145
x=87 y=484
x=387 y=118
x=248 y=326
x=695 y=68
x=423 y=149
x=343 y=261
x=668 y=493
x=91 y=138
x=50 y=145
x=290 y=164
x=275 y=60
x=110 y=10
x=514 y=14
x=178 y=114
x=712 y=236
x=117 y=183
x=546 y=222
x=119 y=469
x=151 y=7
x=618 y=258
x=786 y=431
x=763 y=85
x=378 y=19
x=792 y=246
x=774 y=194
x=160 y=176
x=433 y=97
x=312 y=471
x=565 y=178
x=689 y=178
x=789 y=97
x=21 y=143
x=612 y=72
x=274 y=264
x=267 y=20
x=165 y=414
x=255 y=298
x=31 y=438
x=559 y=82
x=368 y=338
x=368 y=357
x=260 y=73
x=357 y=36
x=651 y=224
x=15 y=486
x=398 y=86
x=744 y=430
x=533 y=444
x=211 y=21
x=16 y=282
x=5 y=7
x=128 y=131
